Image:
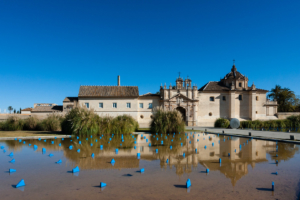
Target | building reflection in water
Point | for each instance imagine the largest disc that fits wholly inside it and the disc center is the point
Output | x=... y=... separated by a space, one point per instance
x=233 y=167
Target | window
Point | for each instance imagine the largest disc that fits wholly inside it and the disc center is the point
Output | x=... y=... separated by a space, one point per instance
x=142 y=116
x=151 y=116
x=50 y=104
x=128 y=105
x=100 y=105
x=212 y=98
x=257 y=98
x=256 y=112
x=224 y=98
x=240 y=84
x=39 y=105
x=150 y=105
x=87 y=105
x=240 y=97
x=141 y=105
x=114 y=105
x=210 y=114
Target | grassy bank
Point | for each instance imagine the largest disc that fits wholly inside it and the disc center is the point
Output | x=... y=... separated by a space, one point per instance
x=28 y=133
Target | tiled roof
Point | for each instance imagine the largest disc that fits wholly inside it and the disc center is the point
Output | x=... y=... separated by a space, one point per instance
x=47 y=109
x=70 y=99
x=149 y=95
x=218 y=86
x=27 y=109
x=108 y=91
x=214 y=86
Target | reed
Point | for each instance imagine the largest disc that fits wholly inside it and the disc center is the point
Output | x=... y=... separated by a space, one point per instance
x=165 y=121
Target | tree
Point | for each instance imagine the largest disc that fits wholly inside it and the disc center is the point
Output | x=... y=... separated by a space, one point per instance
x=15 y=111
x=10 y=108
x=286 y=99
x=20 y=111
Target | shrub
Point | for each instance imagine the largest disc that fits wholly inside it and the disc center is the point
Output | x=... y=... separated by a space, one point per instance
x=13 y=123
x=51 y=123
x=222 y=123
x=31 y=123
x=167 y=121
x=83 y=121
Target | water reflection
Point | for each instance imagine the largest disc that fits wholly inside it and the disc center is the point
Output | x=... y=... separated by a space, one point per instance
x=183 y=155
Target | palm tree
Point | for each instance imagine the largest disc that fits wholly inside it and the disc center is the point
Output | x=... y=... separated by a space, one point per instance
x=274 y=95
x=10 y=108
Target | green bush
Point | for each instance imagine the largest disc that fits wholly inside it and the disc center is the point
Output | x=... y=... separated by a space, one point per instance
x=222 y=123
x=82 y=121
x=13 y=123
x=31 y=123
x=167 y=121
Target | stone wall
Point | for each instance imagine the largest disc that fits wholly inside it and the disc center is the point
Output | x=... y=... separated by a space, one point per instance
x=284 y=115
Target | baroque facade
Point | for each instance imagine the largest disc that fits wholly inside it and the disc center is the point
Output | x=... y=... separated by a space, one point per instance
x=231 y=97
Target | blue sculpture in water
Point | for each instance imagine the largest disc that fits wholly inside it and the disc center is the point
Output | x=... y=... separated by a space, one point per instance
x=21 y=183
x=59 y=162
x=76 y=169
x=112 y=161
x=102 y=184
x=12 y=170
x=188 y=183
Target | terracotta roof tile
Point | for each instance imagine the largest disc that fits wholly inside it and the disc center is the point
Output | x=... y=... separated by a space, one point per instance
x=70 y=99
x=108 y=91
x=47 y=109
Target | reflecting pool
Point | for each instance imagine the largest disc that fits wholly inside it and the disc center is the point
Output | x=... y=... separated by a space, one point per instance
x=239 y=168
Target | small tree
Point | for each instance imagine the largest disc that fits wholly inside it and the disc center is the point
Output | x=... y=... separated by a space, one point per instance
x=15 y=111
x=20 y=111
x=10 y=108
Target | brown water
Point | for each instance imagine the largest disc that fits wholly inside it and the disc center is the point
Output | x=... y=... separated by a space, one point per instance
x=246 y=174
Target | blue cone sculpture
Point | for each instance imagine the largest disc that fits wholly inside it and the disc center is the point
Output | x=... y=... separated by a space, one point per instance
x=78 y=150
x=59 y=162
x=142 y=170
x=134 y=147
x=183 y=154
x=4 y=151
x=59 y=144
x=102 y=184
x=156 y=150
x=93 y=155
x=112 y=161
x=11 y=154
x=167 y=160
x=12 y=161
x=76 y=169
x=138 y=154
x=21 y=183
x=12 y=170
x=207 y=170
x=50 y=155
x=2 y=147
x=52 y=142
x=188 y=183
x=273 y=186
x=43 y=149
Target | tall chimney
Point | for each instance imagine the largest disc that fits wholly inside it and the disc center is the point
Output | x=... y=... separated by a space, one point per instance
x=118 y=80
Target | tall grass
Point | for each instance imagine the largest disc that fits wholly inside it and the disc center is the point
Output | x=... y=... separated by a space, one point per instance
x=83 y=121
x=165 y=121
x=14 y=123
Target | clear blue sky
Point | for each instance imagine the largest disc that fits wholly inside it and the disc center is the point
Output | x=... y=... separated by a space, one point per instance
x=49 y=48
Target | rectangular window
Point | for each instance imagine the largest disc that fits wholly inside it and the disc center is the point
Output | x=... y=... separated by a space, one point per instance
x=150 y=105
x=212 y=98
x=240 y=84
x=224 y=98
x=240 y=97
x=50 y=104
x=128 y=105
x=87 y=105
x=256 y=98
x=114 y=105
x=39 y=105
x=141 y=105
x=100 y=105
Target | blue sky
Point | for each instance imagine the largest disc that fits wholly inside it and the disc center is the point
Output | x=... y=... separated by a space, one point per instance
x=49 y=48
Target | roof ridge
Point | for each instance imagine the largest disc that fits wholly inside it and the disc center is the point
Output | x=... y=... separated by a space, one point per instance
x=206 y=85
